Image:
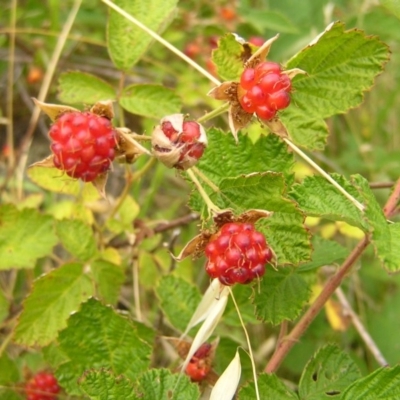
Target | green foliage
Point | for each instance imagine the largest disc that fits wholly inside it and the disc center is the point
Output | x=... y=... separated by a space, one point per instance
x=178 y=300
x=25 y=236
x=98 y=337
x=126 y=42
x=53 y=298
x=174 y=386
x=125 y=216
x=340 y=66
x=393 y=6
x=153 y=101
x=282 y=295
x=81 y=88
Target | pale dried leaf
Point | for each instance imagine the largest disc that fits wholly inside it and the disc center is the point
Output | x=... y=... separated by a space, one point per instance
x=103 y=109
x=193 y=247
x=226 y=386
x=46 y=162
x=221 y=92
x=53 y=111
x=100 y=184
x=291 y=73
x=276 y=126
x=252 y=216
x=238 y=118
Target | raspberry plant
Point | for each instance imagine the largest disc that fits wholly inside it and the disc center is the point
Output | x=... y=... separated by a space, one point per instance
x=162 y=217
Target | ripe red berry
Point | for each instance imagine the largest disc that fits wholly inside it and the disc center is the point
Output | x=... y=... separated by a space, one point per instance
x=83 y=144
x=237 y=254
x=43 y=386
x=200 y=365
x=264 y=90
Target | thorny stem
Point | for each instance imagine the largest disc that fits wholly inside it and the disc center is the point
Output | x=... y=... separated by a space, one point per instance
x=333 y=283
x=212 y=114
x=211 y=206
x=324 y=174
x=248 y=344
x=360 y=328
x=165 y=43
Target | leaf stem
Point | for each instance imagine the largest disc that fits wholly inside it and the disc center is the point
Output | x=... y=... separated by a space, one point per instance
x=211 y=206
x=165 y=43
x=253 y=366
x=212 y=114
x=324 y=174
x=205 y=179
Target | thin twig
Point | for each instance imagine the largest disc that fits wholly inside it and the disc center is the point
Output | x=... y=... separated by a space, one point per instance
x=369 y=342
x=381 y=185
x=391 y=204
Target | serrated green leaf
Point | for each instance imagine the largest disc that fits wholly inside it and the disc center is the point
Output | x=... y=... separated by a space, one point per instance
x=393 y=6
x=98 y=337
x=263 y=19
x=108 y=279
x=318 y=198
x=104 y=385
x=327 y=374
x=153 y=101
x=54 y=180
x=382 y=384
x=385 y=238
x=340 y=67
x=270 y=387
x=123 y=219
x=282 y=295
x=161 y=384
x=127 y=42
x=77 y=238
x=82 y=88
x=178 y=300
x=229 y=58
x=9 y=376
x=325 y=252
x=54 y=297
x=25 y=236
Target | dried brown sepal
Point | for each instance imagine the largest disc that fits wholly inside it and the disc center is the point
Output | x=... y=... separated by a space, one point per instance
x=276 y=126
x=128 y=149
x=195 y=247
x=100 y=184
x=46 y=162
x=252 y=216
x=53 y=111
x=238 y=118
x=223 y=217
x=261 y=53
x=291 y=73
x=103 y=109
x=225 y=91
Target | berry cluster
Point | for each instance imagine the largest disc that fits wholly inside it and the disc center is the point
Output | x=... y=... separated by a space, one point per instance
x=264 y=90
x=43 y=386
x=238 y=254
x=199 y=366
x=83 y=144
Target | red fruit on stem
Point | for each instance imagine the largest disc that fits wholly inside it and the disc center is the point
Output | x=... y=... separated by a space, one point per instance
x=43 y=386
x=237 y=254
x=83 y=144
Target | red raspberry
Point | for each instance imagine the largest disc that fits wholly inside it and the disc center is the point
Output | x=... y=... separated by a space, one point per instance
x=43 y=386
x=238 y=254
x=83 y=144
x=199 y=365
x=264 y=90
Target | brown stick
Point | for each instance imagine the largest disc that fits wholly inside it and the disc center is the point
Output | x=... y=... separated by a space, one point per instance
x=333 y=283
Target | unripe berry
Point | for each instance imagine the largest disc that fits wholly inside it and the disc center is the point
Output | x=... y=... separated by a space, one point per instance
x=83 y=144
x=237 y=254
x=199 y=365
x=178 y=143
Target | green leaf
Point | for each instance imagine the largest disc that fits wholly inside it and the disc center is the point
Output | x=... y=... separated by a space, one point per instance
x=178 y=300
x=4 y=307
x=108 y=279
x=124 y=217
x=325 y=252
x=318 y=198
x=385 y=238
x=9 y=376
x=270 y=387
x=327 y=374
x=54 y=297
x=77 y=238
x=266 y=19
x=25 y=236
x=127 y=42
x=393 y=6
x=104 y=385
x=229 y=57
x=97 y=337
x=54 y=180
x=161 y=384
x=82 y=88
x=340 y=67
x=282 y=295
x=382 y=384
x=153 y=101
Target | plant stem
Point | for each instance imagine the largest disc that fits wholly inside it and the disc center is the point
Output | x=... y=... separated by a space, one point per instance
x=333 y=283
x=204 y=178
x=211 y=206
x=248 y=344
x=165 y=43
x=212 y=114
x=324 y=174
